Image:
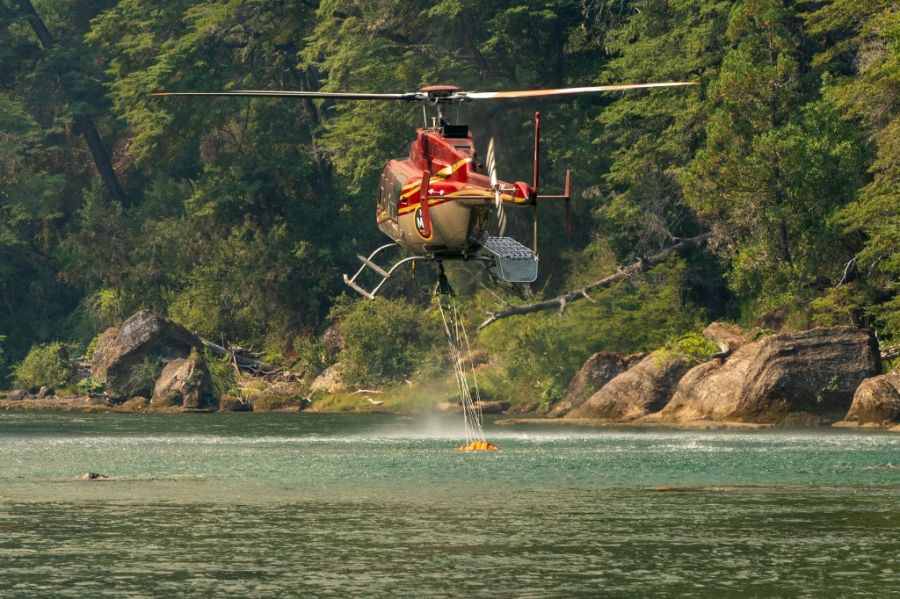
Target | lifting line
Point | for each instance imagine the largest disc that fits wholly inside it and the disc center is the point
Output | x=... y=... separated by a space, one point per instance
x=461 y=358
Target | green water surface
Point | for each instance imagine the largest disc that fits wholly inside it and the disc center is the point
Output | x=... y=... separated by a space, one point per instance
x=372 y=505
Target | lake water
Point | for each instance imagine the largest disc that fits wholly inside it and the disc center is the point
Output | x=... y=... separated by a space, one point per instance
x=348 y=505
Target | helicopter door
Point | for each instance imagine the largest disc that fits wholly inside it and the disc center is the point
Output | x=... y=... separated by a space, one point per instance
x=394 y=200
x=389 y=191
x=388 y=195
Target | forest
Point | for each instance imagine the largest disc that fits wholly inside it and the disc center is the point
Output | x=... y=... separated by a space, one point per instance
x=237 y=217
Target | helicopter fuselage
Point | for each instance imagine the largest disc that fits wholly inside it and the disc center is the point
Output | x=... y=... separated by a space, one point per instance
x=434 y=201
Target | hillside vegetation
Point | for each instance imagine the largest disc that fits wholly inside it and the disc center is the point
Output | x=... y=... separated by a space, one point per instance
x=237 y=217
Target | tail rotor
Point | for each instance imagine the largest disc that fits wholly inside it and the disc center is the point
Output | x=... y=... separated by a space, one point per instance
x=495 y=186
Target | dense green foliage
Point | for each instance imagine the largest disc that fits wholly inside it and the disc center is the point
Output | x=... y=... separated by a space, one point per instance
x=238 y=216
x=385 y=341
x=222 y=375
x=46 y=364
x=634 y=316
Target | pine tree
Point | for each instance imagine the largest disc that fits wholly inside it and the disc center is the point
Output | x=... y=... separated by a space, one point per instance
x=861 y=47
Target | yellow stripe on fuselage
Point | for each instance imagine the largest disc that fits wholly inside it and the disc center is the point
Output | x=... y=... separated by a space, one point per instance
x=452 y=168
x=505 y=197
x=410 y=189
x=431 y=202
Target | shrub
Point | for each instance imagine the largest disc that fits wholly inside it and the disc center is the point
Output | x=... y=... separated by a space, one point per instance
x=45 y=365
x=384 y=340
x=313 y=356
x=221 y=371
x=693 y=345
x=88 y=385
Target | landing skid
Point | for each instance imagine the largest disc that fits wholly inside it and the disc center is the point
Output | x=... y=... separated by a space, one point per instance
x=384 y=274
x=507 y=259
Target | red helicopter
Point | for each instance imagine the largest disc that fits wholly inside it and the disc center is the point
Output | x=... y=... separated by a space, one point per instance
x=434 y=202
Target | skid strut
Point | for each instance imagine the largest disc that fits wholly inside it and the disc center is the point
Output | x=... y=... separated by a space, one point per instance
x=368 y=263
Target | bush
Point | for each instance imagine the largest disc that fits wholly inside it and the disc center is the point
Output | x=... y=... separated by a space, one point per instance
x=45 y=365
x=88 y=385
x=313 y=356
x=221 y=371
x=693 y=345
x=384 y=341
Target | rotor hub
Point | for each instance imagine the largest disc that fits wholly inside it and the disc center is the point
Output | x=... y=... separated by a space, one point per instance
x=443 y=94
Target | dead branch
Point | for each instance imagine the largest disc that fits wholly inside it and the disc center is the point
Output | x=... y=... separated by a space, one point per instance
x=245 y=361
x=622 y=272
x=848 y=271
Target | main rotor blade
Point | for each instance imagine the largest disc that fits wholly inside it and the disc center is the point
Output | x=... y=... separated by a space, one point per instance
x=261 y=93
x=565 y=91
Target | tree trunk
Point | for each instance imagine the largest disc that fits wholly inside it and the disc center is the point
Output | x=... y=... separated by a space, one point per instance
x=83 y=122
x=783 y=241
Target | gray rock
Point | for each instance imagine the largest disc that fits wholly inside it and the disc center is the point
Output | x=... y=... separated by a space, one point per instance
x=596 y=371
x=17 y=395
x=876 y=401
x=184 y=382
x=128 y=360
x=329 y=381
x=642 y=389
x=804 y=377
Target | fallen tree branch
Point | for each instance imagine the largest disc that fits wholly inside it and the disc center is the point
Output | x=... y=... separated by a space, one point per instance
x=241 y=359
x=561 y=302
x=889 y=353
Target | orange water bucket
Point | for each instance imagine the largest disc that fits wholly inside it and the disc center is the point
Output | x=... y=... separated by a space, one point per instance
x=478 y=446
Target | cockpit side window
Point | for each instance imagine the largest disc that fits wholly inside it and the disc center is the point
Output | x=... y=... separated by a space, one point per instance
x=396 y=190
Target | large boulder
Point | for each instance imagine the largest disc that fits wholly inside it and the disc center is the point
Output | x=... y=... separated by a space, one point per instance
x=642 y=389
x=876 y=402
x=804 y=377
x=128 y=360
x=597 y=370
x=184 y=382
x=329 y=380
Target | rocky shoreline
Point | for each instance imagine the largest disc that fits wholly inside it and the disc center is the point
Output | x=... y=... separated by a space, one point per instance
x=818 y=377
